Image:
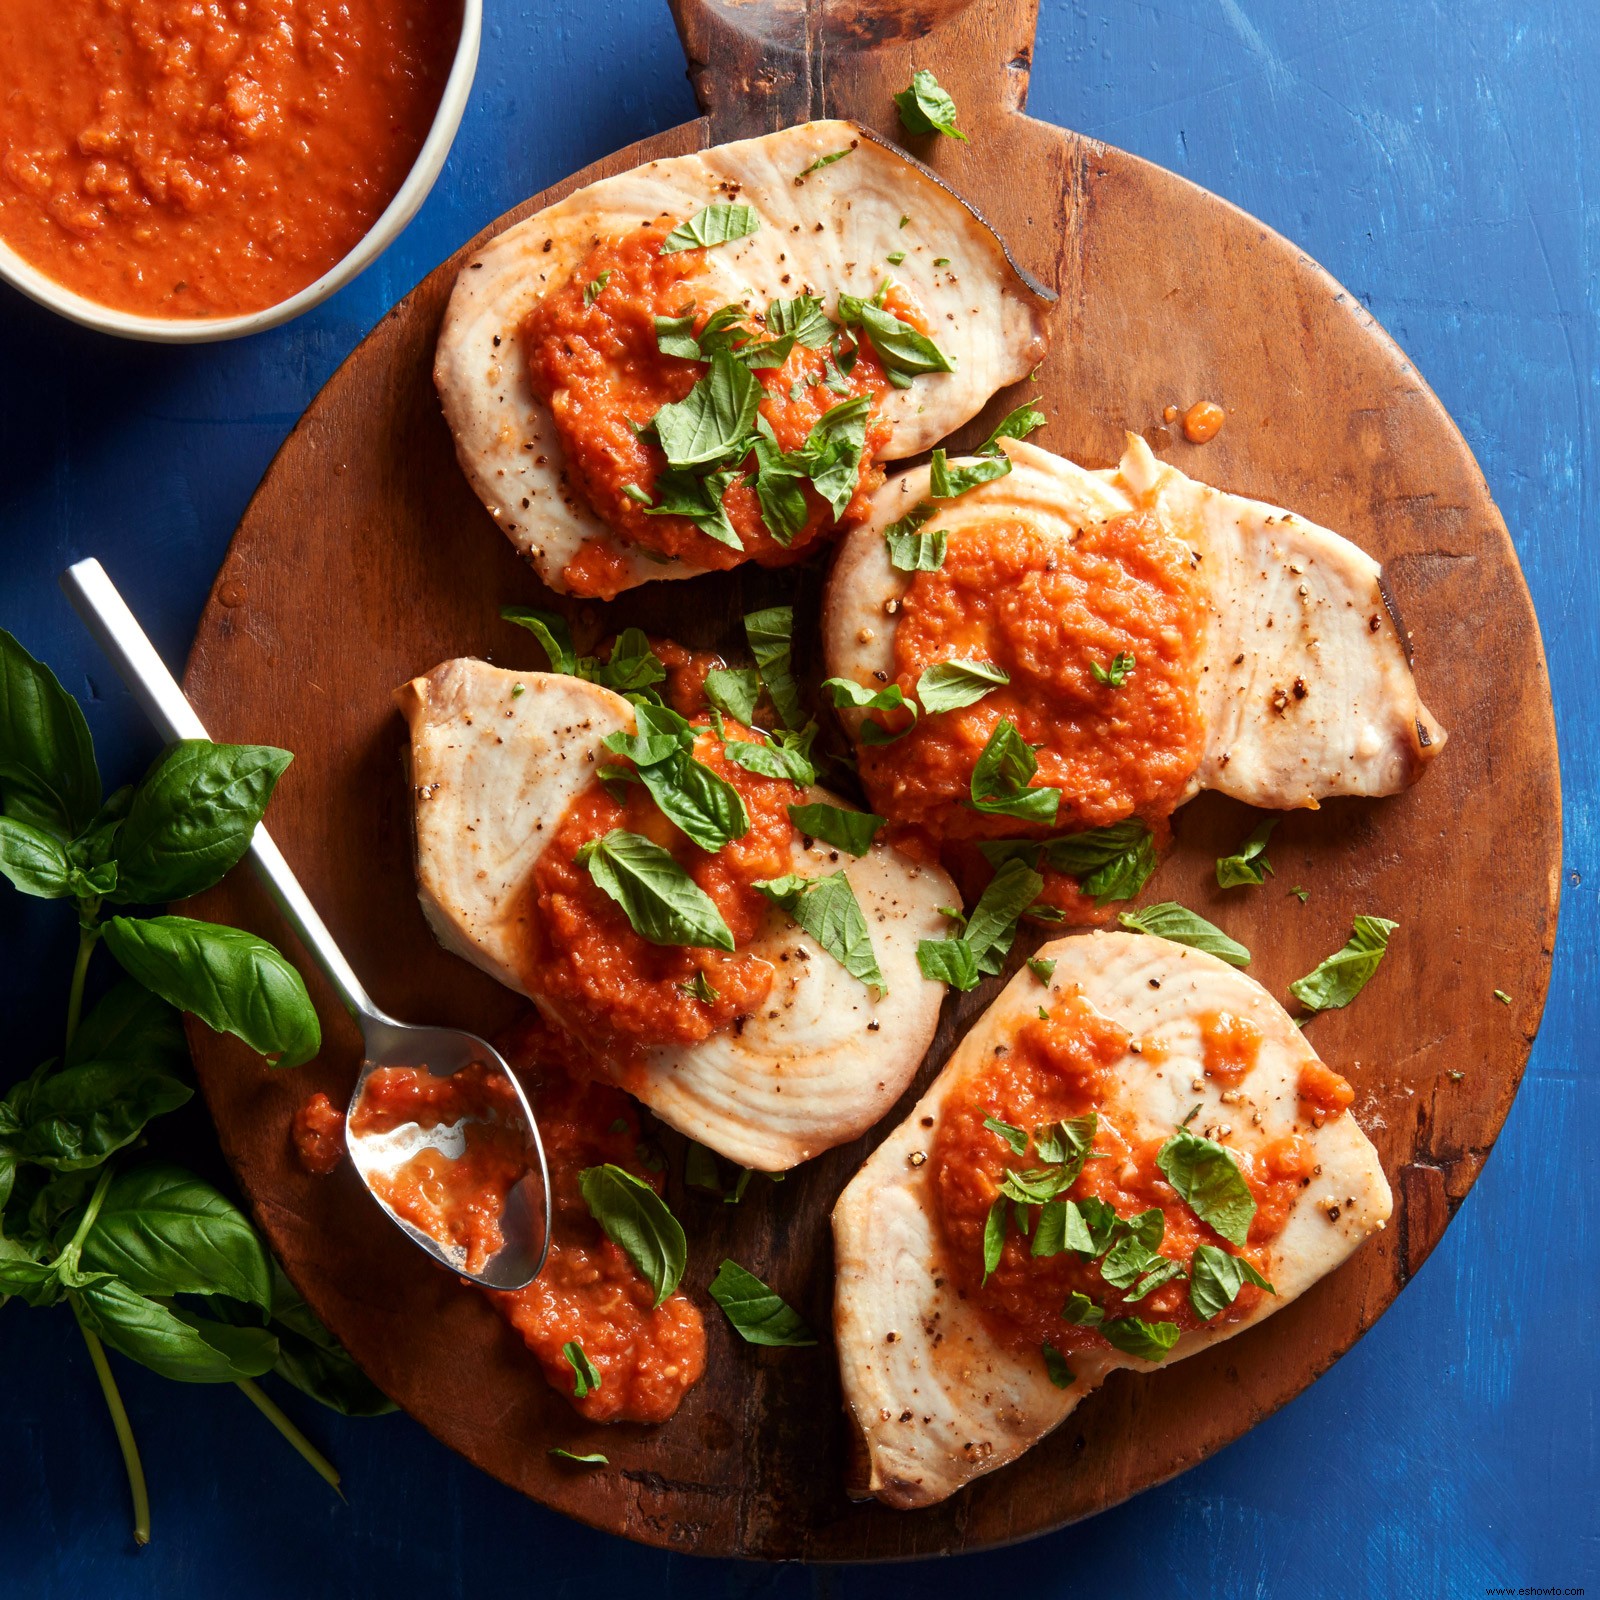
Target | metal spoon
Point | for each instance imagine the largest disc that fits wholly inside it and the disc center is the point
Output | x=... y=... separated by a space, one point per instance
x=524 y=1222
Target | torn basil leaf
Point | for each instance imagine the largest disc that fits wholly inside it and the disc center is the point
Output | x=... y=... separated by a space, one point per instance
x=926 y=108
x=1015 y=1137
x=949 y=685
x=1169 y=920
x=1247 y=865
x=699 y=988
x=712 y=423
x=1209 y=1180
x=1001 y=778
x=1055 y=1366
x=844 y=830
x=912 y=550
x=1215 y=1279
x=1082 y=1311
x=946 y=482
x=1338 y=980
x=992 y=926
x=804 y=318
x=593 y=1459
x=591 y=291
x=770 y=633
x=585 y=1375
x=948 y=961
x=1017 y=424
x=994 y=1236
x=847 y=692
x=1133 y=1336
x=1043 y=968
x=788 y=756
x=715 y=225
x=780 y=485
x=828 y=910
x=697 y=497
x=904 y=351
x=758 y=1315
x=675 y=336
x=1115 y=675
x=551 y=631
x=833 y=450
x=660 y=900
x=636 y=1219
x=734 y=691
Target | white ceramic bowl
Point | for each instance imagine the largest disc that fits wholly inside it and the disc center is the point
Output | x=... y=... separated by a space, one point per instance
x=400 y=210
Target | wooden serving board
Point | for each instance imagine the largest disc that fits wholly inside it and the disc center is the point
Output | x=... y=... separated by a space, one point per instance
x=364 y=558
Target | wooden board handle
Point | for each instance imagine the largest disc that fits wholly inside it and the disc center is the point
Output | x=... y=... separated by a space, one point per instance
x=758 y=65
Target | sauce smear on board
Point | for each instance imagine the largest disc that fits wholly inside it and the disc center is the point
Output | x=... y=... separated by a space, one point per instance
x=194 y=158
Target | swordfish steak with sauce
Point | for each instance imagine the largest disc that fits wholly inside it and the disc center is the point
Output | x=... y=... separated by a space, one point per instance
x=608 y=365
x=1179 y=1147
x=766 y=1050
x=1160 y=637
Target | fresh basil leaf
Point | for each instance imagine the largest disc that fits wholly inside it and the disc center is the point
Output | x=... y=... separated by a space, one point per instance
x=715 y=225
x=910 y=549
x=711 y=424
x=735 y=691
x=758 y=1315
x=585 y=1375
x=1016 y=424
x=1082 y=1312
x=659 y=734
x=1336 y=981
x=1055 y=1366
x=632 y=666
x=700 y=802
x=1209 y=1180
x=833 y=451
x=1015 y=1137
x=1115 y=675
x=788 y=756
x=35 y=861
x=946 y=482
x=193 y=817
x=949 y=961
x=1169 y=920
x=698 y=499
x=826 y=161
x=131 y=1027
x=48 y=775
x=1215 y=1279
x=1050 y=1235
x=780 y=485
x=904 y=351
x=172 y=1342
x=593 y=1459
x=770 y=634
x=993 y=923
x=636 y=1219
x=844 y=830
x=1161 y=1271
x=994 y=1236
x=1001 y=777
x=1043 y=968
x=314 y=1361
x=926 y=108
x=1068 y=1143
x=765 y=352
x=230 y=979
x=1133 y=1336
x=804 y=318
x=949 y=685
x=675 y=336
x=592 y=290
x=552 y=633
x=847 y=692
x=163 y=1231
x=660 y=900
x=1110 y=863
x=827 y=909
x=73 y=1118
x=700 y=1170
x=724 y=329
x=35 y=1283
x=1101 y=1223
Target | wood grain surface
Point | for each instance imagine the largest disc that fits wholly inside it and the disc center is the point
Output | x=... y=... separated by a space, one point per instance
x=364 y=558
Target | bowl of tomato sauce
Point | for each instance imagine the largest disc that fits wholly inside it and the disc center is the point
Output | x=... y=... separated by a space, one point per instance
x=192 y=170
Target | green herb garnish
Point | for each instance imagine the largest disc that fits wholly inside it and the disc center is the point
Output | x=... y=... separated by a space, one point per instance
x=828 y=910
x=926 y=108
x=1335 y=982
x=758 y=1315
x=636 y=1219
x=843 y=829
x=1247 y=865
x=715 y=225
x=1169 y=920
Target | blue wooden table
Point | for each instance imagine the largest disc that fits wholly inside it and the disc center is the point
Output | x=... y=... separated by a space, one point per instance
x=1440 y=157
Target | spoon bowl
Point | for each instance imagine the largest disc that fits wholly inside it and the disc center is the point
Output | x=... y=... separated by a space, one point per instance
x=525 y=1215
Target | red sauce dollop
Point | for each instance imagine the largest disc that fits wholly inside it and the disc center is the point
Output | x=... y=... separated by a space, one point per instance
x=610 y=987
x=319 y=1135
x=1230 y=1046
x=1057 y=1068
x=593 y=359
x=189 y=158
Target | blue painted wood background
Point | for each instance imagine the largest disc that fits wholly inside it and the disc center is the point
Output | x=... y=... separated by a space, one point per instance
x=1440 y=158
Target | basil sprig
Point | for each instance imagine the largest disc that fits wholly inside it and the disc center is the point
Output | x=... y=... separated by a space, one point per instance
x=1248 y=864
x=1169 y=920
x=758 y=1315
x=1335 y=982
x=828 y=910
x=1002 y=775
x=1110 y=863
x=636 y=1219
x=660 y=900
x=716 y=224
x=926 y=108
x=1210 y=1182
x=843 y=829
x=949 y=685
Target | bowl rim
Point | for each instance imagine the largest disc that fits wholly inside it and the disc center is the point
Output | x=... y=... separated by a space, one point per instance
x=38 y=286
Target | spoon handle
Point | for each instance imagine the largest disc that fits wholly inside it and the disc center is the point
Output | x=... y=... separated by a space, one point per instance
x=115 y=629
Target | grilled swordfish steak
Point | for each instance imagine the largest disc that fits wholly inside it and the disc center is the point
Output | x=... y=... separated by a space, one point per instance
x=698 y=362
x=699 y=994
x=1157 y=1164
x=1146 y=635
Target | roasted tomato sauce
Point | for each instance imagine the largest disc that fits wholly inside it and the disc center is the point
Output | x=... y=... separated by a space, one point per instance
x=194 y=158
x=589 y=1292
x=454 y=1199
x=593 y=359
x=1058 y=1068
x=1230 y=1046
x=612 y=988
x=1048 y=612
